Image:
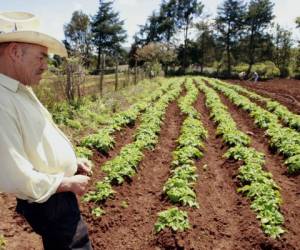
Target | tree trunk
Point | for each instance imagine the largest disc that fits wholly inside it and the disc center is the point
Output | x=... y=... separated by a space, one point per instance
x=69 y=86
x=99 y=59
x=101 y=76
x=185 y=46
x=116 y=76
x=135 y=72
x=251 y=52
x=228 y=52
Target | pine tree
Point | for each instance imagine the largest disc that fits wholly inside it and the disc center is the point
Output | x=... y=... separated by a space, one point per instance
x=107 y=30
x=229 y=23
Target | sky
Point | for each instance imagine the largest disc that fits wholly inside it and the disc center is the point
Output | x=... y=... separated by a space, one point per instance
x=55 y=13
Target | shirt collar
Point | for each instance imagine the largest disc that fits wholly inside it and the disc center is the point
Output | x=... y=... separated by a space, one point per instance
x=9 y=83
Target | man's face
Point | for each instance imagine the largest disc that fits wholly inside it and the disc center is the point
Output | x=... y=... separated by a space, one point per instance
x=32 y=63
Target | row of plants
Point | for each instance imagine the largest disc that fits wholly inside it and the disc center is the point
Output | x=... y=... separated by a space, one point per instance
x=124 y=166
x=285 y=140
x=257 y=184
x=179 y=188
x=103 y=140
x=287 y=117
x=92 y=112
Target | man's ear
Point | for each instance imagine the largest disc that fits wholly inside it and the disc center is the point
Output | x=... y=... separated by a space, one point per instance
x=14 y=51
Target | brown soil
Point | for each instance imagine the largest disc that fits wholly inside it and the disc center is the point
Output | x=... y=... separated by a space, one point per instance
x=224 y=219
x=285 y=91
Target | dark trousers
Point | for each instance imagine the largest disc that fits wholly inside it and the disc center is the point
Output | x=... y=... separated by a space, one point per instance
x=58 y=221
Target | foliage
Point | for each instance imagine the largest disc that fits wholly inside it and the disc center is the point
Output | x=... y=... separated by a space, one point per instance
x=179 y=186
x=258 y=18
x=154 y=54
x=107 y=30
x=179 y=190
x=172 y=218
x=98 y=212
x=2 y=242
x=285 y=140
x=103 y=141
x=266 y=70
x=258 y=184
x=297 y=21
x=125 y=165
x=83 y=152
x=79 y=37
x=283 y=45
x=103 y=190
x=205 y=45
x=229 y=24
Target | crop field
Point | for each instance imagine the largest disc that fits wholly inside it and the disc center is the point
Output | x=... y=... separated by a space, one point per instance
x=198 y=163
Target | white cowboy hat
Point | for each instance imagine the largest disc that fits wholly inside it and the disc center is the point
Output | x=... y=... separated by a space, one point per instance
x=23 y=27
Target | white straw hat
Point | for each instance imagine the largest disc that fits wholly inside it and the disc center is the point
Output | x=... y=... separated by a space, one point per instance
x=23 y=27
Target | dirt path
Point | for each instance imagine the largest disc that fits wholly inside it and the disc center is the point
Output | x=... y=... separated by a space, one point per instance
x=131 y=226
x=224 y=220
x=274 y=164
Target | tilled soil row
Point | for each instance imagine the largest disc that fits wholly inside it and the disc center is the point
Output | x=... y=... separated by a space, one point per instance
x=274 y=163
x=131 y=214
x=224 y=219
x=284 y=91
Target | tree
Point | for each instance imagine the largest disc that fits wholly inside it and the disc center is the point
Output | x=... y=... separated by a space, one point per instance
x=283 y=45
x=258 y=18
x=107 y=30
x=229 y=24
x=297 y=71
x=167 y=20
x=205 y=43
x=298 y=22
x=187 y=10
x=153 y=55
x=108 y=34
x=78 y=36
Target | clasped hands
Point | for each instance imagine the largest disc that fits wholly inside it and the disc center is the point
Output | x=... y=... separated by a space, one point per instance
x=84 y=167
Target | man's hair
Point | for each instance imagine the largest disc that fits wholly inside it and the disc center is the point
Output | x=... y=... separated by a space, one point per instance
x=3 y=47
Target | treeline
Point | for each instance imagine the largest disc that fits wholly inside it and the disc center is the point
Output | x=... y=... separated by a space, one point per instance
x=179 y=38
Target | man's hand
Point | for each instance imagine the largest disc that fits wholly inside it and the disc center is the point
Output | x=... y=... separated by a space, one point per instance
x=77 y=184
x=84 y=167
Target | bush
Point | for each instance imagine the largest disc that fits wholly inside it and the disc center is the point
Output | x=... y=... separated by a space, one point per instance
x=266 y=70
x=242 y=67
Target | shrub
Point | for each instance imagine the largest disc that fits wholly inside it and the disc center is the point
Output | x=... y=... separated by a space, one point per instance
x=266 y=70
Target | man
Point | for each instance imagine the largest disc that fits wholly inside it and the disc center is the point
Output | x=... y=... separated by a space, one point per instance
x=242 y=75
x=255 y=76
x=38 y=164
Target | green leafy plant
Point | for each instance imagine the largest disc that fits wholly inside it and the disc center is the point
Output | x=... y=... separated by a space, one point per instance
x=102 y=191
x=172 y=218
x=98 y=212
x=83 y=152
x=124 y=204
x=2 y=242
x=285 y=140
x=258 y=184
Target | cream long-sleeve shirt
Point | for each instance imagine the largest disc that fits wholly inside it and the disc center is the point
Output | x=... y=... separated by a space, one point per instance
x=35 y=155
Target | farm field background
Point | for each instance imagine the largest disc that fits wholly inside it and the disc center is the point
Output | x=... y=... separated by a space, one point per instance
x=223 y=220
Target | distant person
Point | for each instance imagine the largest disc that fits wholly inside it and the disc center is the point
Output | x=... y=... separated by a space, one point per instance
x=38 y=163
x=255 y=76
x=242 y=75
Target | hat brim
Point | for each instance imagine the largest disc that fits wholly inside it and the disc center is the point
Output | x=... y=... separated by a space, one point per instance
x=54 y=46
